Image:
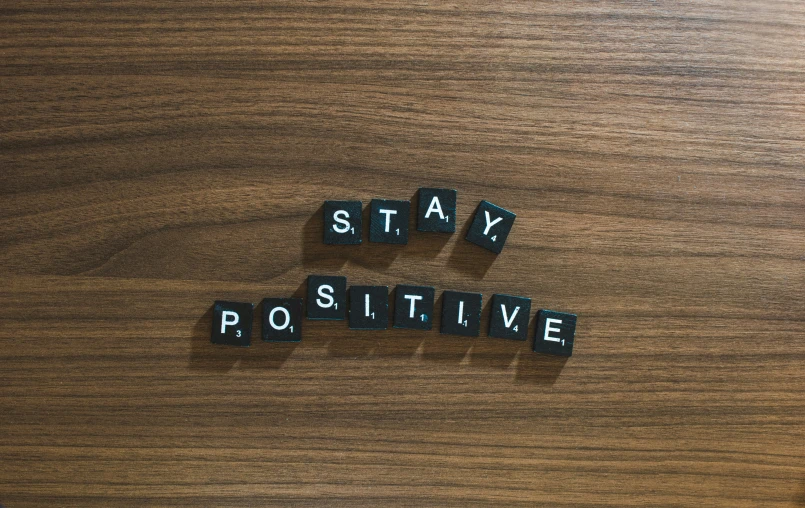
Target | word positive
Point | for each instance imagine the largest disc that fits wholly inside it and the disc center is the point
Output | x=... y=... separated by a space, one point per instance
x=367 y=308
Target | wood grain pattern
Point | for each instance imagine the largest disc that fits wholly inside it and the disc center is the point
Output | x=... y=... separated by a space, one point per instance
x=156 y=156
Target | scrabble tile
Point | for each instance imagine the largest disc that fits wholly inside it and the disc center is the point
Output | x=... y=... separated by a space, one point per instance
x=490 y=226
x=342 y=222
x=232 y=323
x=388 y=221
x=437 y=210
x=461 y=313
x=282 y=319
x=326 y=297
x=509 y=317
x=369 y=307
x=413 y=307
x=555 y=332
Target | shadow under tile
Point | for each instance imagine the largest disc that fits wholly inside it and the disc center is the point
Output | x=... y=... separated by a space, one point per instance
x=209 y=357
x=491 y=352
x=468 y=258
x=537 y=368
x=424 y=244
x=316 y=255
x=269 y=355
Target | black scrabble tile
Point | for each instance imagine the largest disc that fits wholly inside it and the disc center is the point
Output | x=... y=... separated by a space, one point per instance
x=342 y=222
x=509 y=317
x=413 y=307
x=555 y=332
x=326 y=297
x=461 y=313
x=490 y=226
x=232 y=323
x=437 y=210
x=388 y=221
x=369 y=307
x=282 y=319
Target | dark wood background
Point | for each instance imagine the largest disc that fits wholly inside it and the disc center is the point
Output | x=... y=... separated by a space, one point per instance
x=156 y=156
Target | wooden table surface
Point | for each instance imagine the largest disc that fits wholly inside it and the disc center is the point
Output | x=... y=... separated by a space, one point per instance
x=157 y=156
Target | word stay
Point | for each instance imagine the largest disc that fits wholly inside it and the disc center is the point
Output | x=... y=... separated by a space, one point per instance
x=436 y=212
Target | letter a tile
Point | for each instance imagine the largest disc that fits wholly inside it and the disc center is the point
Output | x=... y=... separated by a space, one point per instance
x=436 y=210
